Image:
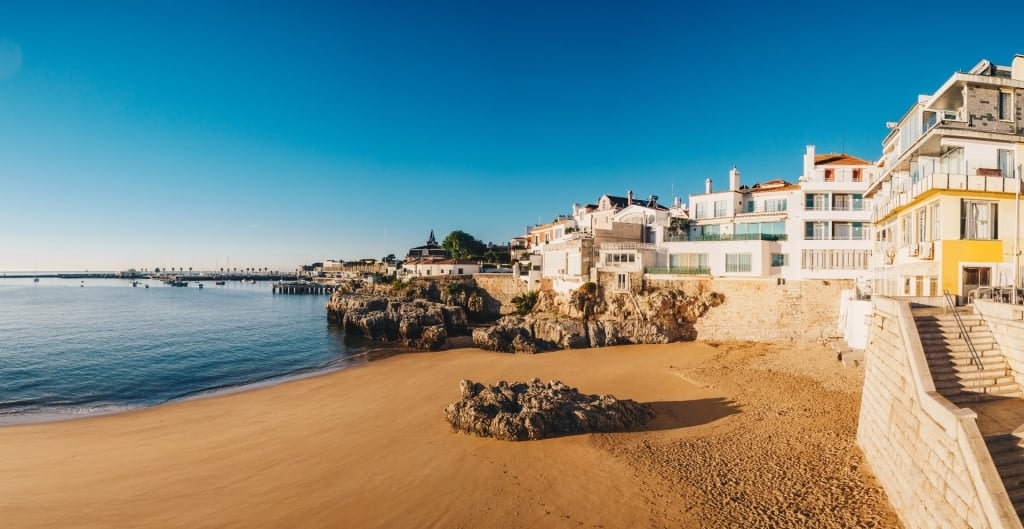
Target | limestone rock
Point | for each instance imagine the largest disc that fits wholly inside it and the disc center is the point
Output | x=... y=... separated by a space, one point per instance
x=418 y=324
x=534 y=410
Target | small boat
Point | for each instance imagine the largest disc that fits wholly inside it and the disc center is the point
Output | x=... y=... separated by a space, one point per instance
x=219 y=283
x=147 y=286
x=35 y=280
x=200 y=285
x=178 y=283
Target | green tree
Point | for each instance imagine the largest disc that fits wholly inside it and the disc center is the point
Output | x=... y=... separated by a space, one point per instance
x=461 y=245
x=491 y=256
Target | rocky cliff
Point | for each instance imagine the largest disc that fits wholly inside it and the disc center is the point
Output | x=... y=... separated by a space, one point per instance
x=586 y=318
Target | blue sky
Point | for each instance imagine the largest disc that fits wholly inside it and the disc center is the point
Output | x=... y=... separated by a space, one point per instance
x=144 y=134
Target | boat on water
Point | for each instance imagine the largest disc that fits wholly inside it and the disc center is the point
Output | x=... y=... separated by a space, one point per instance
x=200 y=285
x=35 y=280
x=178 y=283
x=220 y=282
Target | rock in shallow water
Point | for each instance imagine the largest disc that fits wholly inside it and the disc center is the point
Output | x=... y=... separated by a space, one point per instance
x=534 y=410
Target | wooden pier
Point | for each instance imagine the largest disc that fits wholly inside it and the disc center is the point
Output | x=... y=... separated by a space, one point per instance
x=303 y=287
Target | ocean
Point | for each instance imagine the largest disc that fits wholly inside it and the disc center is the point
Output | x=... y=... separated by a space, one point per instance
x=70 y=348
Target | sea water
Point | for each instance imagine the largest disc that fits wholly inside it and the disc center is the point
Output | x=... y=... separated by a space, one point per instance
x=70 y=347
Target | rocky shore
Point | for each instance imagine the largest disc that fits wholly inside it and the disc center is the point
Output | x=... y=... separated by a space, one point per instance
x=424 y=314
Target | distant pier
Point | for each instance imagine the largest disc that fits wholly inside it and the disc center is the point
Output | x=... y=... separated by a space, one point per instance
x=303 y=287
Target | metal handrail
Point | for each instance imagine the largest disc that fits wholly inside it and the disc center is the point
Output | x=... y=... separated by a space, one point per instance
x=975 y=359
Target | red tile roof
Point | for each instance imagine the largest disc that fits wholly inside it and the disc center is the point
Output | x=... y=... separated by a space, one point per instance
x=838 y=159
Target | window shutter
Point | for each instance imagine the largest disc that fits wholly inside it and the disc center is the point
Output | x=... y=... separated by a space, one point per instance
x=995 y=221
x=963 y=219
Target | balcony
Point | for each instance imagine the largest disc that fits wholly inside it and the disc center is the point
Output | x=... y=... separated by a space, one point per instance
x=628 y=246
x=741 y=237
x=762 y=211
x=943 y=182
x=696 y=271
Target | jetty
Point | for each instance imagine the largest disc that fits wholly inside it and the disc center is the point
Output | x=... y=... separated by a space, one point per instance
x=303 y=287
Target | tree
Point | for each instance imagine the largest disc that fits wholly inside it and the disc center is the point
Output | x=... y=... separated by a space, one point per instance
x=461 y=245
x=491 y=256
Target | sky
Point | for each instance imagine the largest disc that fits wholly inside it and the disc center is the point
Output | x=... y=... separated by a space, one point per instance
x=273 y=134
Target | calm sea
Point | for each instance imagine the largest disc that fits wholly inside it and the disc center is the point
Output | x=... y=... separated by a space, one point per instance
x=70 y=348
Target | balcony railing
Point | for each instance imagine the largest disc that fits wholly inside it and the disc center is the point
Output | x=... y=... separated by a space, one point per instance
x=762 y=211
x=628 y=246
x=743 y=237
x=943 y=181
x=695 y=271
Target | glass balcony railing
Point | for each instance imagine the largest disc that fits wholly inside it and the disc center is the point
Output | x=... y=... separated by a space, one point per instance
x=700 y=270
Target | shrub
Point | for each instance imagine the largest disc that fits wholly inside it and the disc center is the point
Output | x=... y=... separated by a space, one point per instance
x=524 y=302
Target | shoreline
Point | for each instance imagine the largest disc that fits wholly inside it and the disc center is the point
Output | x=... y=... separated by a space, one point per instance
x=8 y=420
x=344 y=448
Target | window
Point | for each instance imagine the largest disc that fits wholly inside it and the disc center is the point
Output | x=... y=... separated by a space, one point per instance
x=737 y=262
x=460 y=271
x=858 y=202
x=775 y=204
x=933 y=286
x=841 y=202
x=1006 y=163
x=710 y=231
x=979 y=220
x=922 y=225
x=905 y=230
x=952 y=161
x=814 y=231
x=842 y=231
x=835 y=259
x=622 y=281
x=720 y=208
x=780 y=259
x=689 y=261
x=830 y=175
x=701 y=210
x=1006 y=106
x=616 y=258
x=815 y=202
x=935 y=223
x=857 y=177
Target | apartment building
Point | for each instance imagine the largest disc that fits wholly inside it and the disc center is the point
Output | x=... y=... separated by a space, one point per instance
x=944 y=202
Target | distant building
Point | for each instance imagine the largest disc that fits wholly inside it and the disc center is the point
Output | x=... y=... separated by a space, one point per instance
x=439 y=267
x=428 y=251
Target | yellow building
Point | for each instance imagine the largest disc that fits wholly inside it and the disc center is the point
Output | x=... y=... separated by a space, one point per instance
x=945 y=203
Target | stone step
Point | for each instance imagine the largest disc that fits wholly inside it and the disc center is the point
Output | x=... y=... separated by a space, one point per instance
x=975 y=384
x=951 y=342
x=966 y=397
x=952 y=329
x=958 y=356
x=949 y=322
x=963 y=362
x=973 y=376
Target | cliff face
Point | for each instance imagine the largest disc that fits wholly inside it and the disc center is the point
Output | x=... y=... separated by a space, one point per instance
x=423 y=314
x=419 y=324
x=585 y=318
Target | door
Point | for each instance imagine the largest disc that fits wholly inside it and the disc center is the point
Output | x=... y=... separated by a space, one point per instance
x=974 y=277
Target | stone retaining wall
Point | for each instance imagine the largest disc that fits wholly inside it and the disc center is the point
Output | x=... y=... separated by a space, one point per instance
x=926 y=452
x=502 y=288
x=764 y=310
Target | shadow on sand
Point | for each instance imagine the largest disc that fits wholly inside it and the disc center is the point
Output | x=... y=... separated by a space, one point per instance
x=686 y=413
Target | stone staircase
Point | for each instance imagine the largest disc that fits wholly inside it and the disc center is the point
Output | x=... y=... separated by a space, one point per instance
x=1008 y=456
x=963 y=384
x=949 y=359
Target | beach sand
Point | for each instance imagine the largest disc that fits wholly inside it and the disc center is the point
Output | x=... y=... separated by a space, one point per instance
x=747 y=435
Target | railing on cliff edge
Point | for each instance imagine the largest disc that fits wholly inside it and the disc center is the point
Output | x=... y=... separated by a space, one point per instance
x=975 y=359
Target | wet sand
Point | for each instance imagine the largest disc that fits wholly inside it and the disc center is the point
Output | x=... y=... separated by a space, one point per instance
x=747 y=435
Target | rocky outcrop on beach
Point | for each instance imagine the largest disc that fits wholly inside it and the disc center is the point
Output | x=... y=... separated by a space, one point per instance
x=534 y=410
x=587 y=319
x=418 y=324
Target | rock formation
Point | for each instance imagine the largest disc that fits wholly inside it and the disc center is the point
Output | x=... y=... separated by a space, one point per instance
x=530 y=411
x=418 y=324
x=567 y=321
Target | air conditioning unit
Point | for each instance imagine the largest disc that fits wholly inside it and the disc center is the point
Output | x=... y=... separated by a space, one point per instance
x=927 y=250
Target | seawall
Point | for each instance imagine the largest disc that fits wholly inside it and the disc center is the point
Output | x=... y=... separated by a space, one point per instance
x=927 y=453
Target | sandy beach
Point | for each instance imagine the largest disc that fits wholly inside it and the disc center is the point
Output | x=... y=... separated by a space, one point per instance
x=747 y=435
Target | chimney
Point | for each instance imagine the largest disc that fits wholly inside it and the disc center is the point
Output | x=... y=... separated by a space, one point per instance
x=809 y=163
x=734 y=179
x=629 y=197
x=1017 y=68
x=707 y=186
x=677 y=202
